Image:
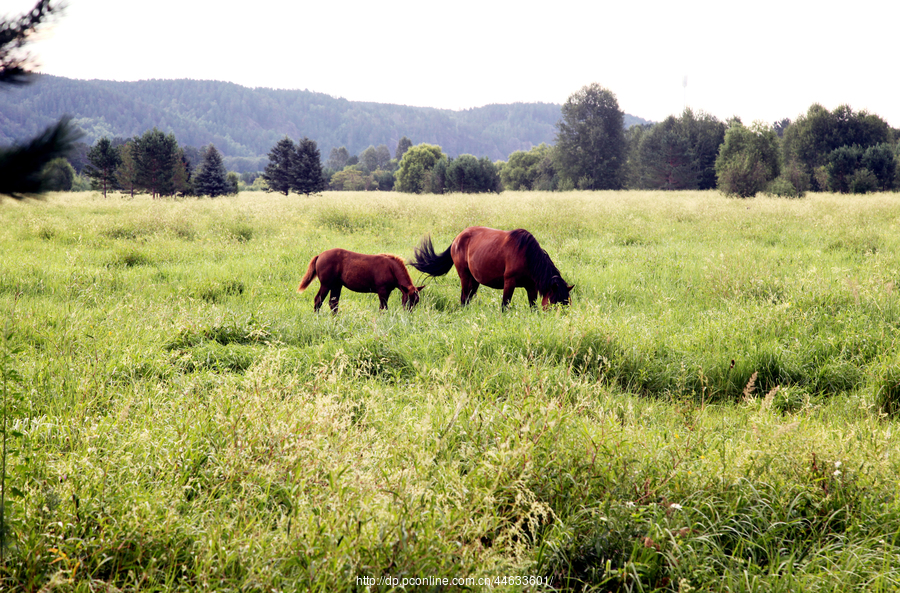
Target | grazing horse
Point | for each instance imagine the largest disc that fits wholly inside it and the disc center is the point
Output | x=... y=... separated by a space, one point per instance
x=498 y=259
x=381 y=274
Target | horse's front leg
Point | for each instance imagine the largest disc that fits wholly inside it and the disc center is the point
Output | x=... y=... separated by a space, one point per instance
x=383 y=299
x=532 y=296
x=509 y=286
x=335 y=297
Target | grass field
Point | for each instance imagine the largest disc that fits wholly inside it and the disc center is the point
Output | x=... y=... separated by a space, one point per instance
x=714 y=411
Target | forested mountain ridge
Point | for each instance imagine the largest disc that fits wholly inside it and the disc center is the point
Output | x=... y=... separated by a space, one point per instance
x=245 y=122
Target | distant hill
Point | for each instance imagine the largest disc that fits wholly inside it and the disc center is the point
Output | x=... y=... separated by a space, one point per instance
x=245 y=122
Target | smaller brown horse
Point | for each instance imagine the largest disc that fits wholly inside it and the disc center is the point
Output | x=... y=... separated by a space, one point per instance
x=381 y=274
x=499 y=259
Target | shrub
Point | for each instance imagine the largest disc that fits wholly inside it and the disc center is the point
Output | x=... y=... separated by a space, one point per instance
x=842 y=164
x=863 y=181
x=783 y=188
x=742 y=176
x=748 y=160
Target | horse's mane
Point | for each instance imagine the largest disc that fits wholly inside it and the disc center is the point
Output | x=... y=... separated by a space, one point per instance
x=405 y=273
x=540 y=265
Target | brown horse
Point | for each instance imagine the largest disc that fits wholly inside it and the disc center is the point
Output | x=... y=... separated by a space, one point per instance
x=381 y=274
x=498 y=259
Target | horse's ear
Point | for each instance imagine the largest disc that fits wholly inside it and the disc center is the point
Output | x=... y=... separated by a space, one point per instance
x=419 y=288
x=571 y=286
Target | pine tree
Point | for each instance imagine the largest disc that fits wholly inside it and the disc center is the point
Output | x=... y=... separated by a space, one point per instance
x=278 y=174
x=211 y=178
x=126 y=173
x=103 y=160
x=154 y=158
x=308 y=175
x=182 y=178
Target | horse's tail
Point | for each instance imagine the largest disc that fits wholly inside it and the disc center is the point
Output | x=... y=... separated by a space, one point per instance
x=427 y=261
x=309 y=276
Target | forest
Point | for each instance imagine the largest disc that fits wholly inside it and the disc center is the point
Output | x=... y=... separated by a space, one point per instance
x=245 y=122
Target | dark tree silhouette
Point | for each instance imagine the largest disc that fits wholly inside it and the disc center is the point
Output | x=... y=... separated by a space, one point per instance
x=21 y=165
x=103 y=160
x=212 y=177
x=308 y=175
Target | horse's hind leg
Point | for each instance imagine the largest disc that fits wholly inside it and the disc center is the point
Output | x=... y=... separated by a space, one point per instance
x=469 y=287
x=335 y=297
x=320 y=297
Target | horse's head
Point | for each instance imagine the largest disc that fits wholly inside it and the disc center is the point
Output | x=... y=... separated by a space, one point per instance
x=558 y=293
x=410 y=298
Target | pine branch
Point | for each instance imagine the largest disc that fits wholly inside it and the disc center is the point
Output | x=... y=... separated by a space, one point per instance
x=21 y=166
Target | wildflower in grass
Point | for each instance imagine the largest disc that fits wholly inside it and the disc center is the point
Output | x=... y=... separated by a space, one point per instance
x=675 y=506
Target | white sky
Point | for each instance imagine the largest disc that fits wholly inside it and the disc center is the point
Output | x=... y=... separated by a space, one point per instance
x=764 y=60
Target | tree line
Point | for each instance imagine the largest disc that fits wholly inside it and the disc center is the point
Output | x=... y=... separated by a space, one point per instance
x=840 y=150
x=156 y=164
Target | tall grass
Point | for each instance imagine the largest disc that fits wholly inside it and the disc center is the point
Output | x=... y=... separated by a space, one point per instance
x=714 y=411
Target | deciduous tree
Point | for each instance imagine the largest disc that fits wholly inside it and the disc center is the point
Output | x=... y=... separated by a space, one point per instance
x=467 y=174
x=880 y=160
x=810 y=139
x=748 y=159
x=382 y=157
x=530 y=170
x=414 y=174
x=590 y=140
x=369 y=159
x=58 y=175
x=337 y=159
x=402 y=146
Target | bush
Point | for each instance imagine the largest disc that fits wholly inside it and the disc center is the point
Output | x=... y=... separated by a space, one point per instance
x=58 y=175
x=742 y=176
x=748 y=160
x=863 y=181
x=842 y=164
x=783 y=188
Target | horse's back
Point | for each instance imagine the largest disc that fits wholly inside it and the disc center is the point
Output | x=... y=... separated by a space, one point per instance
x=479 y=238
x=359 y=272
x=486 y=254
x=330 y=263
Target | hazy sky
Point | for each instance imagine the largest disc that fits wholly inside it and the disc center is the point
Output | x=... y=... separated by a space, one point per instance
x=764 y=60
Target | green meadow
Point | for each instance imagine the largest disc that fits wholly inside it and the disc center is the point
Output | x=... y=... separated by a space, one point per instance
x=715 y=411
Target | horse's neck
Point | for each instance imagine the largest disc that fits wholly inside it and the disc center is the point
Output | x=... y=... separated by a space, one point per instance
x=401 y=275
